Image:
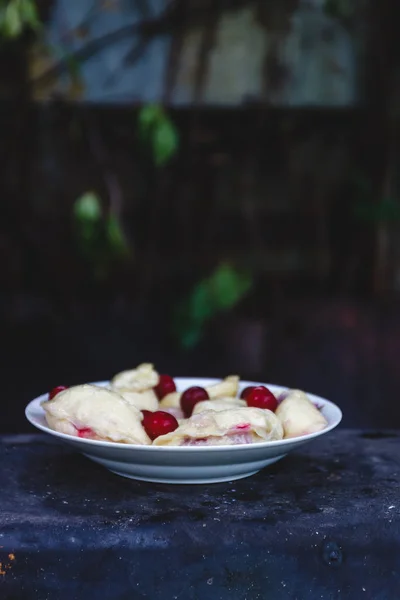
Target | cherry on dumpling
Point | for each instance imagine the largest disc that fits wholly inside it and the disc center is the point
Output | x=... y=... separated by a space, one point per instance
x=166 y=385
x=246 y=391
x=158 y=423
x=56 y=390
x=261 y=397
x=191 y=397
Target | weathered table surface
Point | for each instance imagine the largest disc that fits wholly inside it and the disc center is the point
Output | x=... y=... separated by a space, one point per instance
x=323 y=523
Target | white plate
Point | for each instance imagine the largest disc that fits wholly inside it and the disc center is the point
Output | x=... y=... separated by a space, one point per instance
x=187 y=464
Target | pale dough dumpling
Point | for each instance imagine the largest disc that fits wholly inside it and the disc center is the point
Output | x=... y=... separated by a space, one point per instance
x=228 y=387
x=146 y=400
x=136 y=386
x=98 y=412
x=218 y=405
x=144 y=377
x=229 y=427
x=299 y=416
x=172 y=400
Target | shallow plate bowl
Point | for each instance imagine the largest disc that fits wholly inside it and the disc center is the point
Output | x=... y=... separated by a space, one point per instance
x=186 y=465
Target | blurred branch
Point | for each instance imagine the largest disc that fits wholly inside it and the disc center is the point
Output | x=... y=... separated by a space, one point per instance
x=139 y=48
x=169 y=22
x=91 y=49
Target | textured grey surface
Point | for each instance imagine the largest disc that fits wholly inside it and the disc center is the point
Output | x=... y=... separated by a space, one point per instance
x=323 y=523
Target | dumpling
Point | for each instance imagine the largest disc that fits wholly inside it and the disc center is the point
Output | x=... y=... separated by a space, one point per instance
x=136 y=386
x=228 y=387
x=229 y=427
x=218 y=405
x=93 y=412
x=299 y=416
x=146 y=400
x=172 y=400
x=144 y=377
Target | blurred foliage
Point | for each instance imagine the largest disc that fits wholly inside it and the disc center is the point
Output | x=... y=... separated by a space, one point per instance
x=100 y=238
x=158 y=132
x=87 y=209
x=218 y=293
x=340 y=9
x=99 y=235
x=16 y=16
x=73 y=68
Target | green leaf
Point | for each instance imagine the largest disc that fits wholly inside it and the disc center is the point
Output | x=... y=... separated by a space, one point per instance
x=29 y=13
x=87 y=208
x=149 y=115
x=158 y=132
x=229 y=286
x=88 y=235
x=16 y=15
x=191 y=336
x=165 y=142
x=12 y=24
x=187 y=329
x=201 y=303
x=100 y=241
x=219 y=292
x=116 y=237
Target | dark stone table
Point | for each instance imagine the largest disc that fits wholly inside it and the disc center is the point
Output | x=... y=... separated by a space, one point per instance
x=322 y=524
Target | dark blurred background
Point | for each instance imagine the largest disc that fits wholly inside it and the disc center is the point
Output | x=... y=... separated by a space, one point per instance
x=209 y=185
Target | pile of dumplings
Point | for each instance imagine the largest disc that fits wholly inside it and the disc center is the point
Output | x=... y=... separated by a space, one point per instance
x=131 y=410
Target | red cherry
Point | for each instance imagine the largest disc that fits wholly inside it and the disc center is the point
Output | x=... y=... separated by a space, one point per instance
x=146 y=413
x=166 y=385
x=158 y=423
x=246 y=391
x=191 y=397
x=261 y=397
x=56 y=391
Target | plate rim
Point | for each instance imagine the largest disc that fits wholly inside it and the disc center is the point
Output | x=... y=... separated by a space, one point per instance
x=35 y=405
